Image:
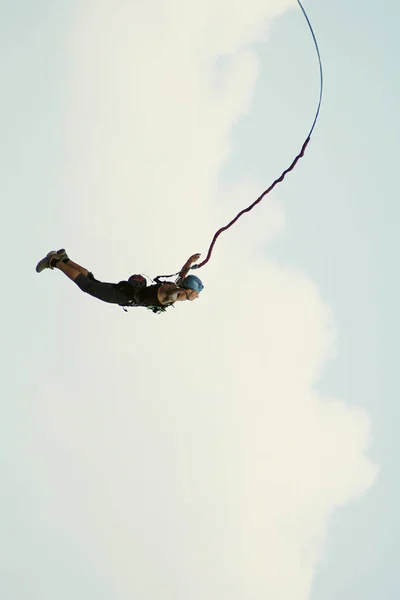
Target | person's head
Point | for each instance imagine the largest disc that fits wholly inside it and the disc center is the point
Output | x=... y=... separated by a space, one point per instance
x=194 y=286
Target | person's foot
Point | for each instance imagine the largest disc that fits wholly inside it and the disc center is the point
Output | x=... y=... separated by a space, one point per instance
x=50 y=259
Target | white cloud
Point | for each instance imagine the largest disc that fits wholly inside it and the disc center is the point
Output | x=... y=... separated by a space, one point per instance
x=198 y=459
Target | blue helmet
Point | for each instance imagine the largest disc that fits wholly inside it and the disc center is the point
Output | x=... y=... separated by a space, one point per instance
x=191 y=282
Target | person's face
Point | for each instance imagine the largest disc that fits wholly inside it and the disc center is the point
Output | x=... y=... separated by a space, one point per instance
x=192 y=295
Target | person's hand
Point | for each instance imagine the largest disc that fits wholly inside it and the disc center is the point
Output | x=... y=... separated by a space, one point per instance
x=195 y=257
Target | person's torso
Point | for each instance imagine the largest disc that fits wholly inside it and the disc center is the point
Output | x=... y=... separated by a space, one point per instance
x=148 y=296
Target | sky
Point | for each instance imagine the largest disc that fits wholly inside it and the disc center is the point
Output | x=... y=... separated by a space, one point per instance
x=242 y=446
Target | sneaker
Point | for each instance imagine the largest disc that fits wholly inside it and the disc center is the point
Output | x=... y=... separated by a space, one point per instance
x=45 y=263
x=62 y=255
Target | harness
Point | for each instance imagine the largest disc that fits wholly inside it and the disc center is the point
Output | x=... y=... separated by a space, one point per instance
x=131 y=288
x=160 y=309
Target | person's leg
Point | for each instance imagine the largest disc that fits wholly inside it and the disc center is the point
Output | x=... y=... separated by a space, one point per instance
x=107 y=292
x=69 y=269
x=58 y=257
x=98 y=289
x=74 y=266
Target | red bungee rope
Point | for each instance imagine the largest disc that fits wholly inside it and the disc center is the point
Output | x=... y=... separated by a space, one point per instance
x=290 y=168
x=249 y=208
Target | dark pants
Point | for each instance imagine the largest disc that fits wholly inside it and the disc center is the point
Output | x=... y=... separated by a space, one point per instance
x=107 y=292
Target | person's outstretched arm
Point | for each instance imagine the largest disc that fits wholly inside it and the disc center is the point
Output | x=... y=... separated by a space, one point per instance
x=185 y=269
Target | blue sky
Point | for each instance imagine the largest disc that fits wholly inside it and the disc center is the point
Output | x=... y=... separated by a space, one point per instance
x=340 y=211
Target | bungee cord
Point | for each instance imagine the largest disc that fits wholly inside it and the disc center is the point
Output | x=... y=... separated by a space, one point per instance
x=285 y=172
